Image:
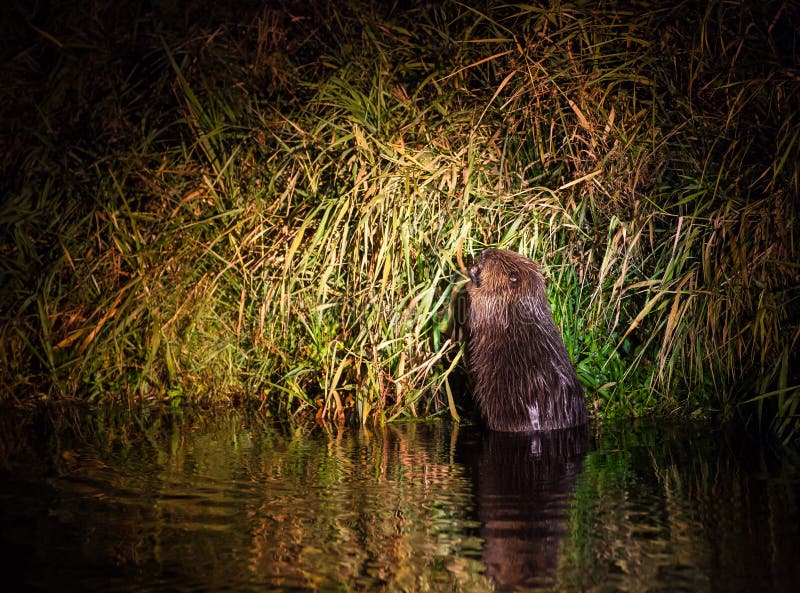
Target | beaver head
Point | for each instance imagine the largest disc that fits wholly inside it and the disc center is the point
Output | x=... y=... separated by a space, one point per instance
x=507 y=289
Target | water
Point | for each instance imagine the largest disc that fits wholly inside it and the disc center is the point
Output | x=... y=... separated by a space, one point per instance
x=97 y=502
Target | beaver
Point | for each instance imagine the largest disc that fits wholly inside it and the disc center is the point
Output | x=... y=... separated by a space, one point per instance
x=523 y=378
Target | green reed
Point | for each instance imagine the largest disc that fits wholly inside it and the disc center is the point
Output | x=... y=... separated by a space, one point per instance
x=278 y=208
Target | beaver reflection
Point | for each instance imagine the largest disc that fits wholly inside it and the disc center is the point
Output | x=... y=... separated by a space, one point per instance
x=524 y=483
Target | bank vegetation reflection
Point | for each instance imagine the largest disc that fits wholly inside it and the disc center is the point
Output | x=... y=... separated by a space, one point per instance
x=234 y=502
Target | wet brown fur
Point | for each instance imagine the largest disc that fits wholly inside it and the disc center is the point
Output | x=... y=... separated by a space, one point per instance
x=524 y=380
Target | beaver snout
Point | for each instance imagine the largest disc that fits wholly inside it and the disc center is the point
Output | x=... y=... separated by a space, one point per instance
x=475 y=275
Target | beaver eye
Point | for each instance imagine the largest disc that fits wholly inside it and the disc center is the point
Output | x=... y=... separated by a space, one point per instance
x=513 y=279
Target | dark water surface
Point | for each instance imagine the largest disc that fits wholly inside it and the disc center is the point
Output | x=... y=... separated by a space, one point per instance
x=95 y=502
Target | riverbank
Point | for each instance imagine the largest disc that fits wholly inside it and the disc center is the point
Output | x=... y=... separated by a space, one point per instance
x=273 y=204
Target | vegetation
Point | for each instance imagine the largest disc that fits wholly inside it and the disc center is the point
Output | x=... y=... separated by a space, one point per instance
x=274 y=203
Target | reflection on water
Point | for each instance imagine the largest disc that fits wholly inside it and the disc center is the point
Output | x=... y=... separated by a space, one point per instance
x=524 y=484
x=92 y=501
x=233 y=504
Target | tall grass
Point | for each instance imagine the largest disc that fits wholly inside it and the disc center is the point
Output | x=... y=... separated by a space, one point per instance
x=275 y=204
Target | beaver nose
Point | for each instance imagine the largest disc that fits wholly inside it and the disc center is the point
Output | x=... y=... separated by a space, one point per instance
x=475 y=275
